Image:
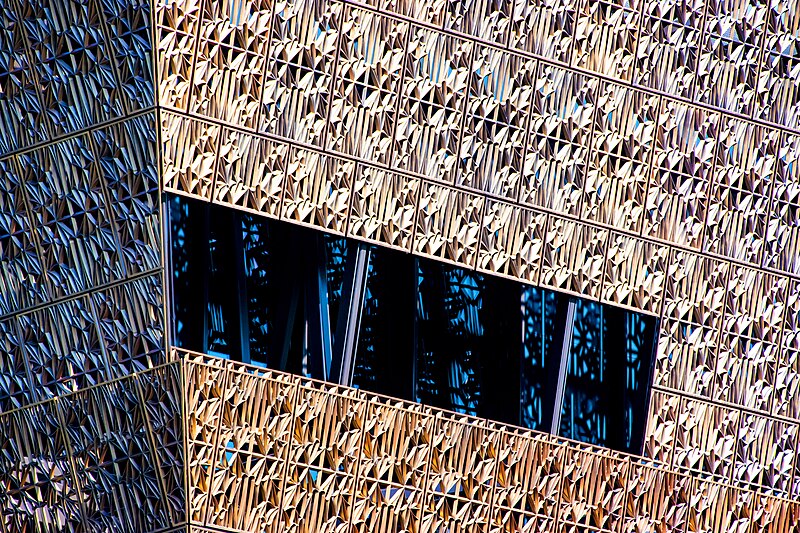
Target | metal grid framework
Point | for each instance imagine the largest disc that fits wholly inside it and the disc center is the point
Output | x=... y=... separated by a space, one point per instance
x=81 y=290
x=643 y=154
x=80 y=229
x=267 y=451
x=105 y=458
x=80 y=262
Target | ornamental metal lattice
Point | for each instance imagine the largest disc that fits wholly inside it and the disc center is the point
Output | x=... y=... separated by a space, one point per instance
x=642 y=154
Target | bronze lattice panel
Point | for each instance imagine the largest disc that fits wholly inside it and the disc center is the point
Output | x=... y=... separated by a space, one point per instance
x=640 y=154
x=643 y=154
x=309 y=456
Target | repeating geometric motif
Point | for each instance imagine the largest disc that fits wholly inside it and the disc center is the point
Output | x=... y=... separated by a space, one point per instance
x=81 y=293
x=67 y=201
x=291 y=454
x=81 y=342
x=93 y=460
x=79 y=213
x=21 y=110
x=272 y=451
x=641 y=154
x=72 y=65
x=76 y=91
x=637 y=153
x=452 y=110
x=81 y=298
x=79 y=197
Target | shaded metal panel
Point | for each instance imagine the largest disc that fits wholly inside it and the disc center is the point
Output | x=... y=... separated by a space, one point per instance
x=411 y=466
x=107 y=436
x=668 y=47
x=730 y=55
x=606 y=35
x=500 y=89
x=299 y=69
x=428 y=124
x=383 y=208
x=24 y=121
x=228 y=73
x=88 y=459
x=38 y=458
x=364 y=93
x=626 y=152
x=126 y=157
x=317 y=190
x=129 y=26
x=188 y=167
x=777 y=97
x=67 y=199
x=74 y=65
x=250 y=173
x=23 y=280
x=63 y=349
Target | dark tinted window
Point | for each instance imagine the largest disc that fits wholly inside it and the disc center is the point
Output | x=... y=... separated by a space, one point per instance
x=292 y=298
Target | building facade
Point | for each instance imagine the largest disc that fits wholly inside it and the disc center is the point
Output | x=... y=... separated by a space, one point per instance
x=399 y=266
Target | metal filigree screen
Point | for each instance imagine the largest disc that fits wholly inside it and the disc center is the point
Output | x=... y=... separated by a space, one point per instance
x=638 y=156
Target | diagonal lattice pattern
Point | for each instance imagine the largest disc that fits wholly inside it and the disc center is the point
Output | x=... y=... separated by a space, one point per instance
x=641 y=154
x=269 y=451
x=109 y=457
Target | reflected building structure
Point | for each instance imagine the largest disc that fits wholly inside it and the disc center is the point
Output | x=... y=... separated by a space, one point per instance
x=419 y=266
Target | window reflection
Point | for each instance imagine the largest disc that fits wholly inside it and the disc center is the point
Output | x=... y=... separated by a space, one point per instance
x=271 y=294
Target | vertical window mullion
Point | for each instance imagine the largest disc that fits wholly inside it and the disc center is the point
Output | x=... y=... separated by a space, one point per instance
x=348 y=324
x=561 y=383
x=240 y=288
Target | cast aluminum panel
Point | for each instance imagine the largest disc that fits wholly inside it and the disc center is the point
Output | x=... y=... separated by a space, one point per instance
x=243 y=449
x=642 y=154
x=292 y=454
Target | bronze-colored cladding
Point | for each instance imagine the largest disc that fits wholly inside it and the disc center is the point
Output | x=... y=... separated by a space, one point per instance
x=80 y=226
x=81 y=342
x=264 y=451
x=261 y=450
x=641 y=154
x=295 y=454
x=430 y=99
x=81 y=293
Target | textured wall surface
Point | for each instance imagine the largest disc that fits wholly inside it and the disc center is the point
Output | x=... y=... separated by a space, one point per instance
x=81 y=296
x=643 y=154
x=80 y=268
x=106 y=458
x=265 y=451
x=70 y=65
x=272 y=452
x=80 y=232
